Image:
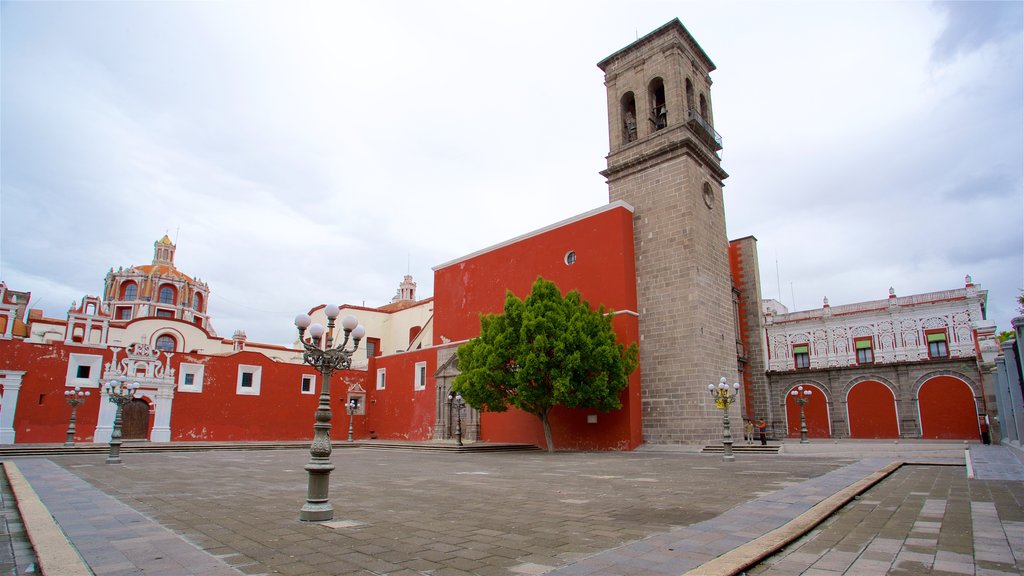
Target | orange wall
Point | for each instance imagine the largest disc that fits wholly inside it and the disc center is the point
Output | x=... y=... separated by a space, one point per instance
x=815 y=415
x=948 y=410
x=604 y=273
x=872 y=411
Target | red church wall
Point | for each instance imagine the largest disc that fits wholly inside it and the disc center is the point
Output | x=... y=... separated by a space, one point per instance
x=948 y=410
x=400 y=412
x=43 y=413
x=280 y=412
x=872 y=411
x=815 y=414
x=603 y=272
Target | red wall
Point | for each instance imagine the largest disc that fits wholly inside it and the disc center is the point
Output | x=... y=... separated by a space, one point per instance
x=872 y=411
x=279 y=412
x=43 y=414
x=948 y=410
x=604 y=273
x=400 y=412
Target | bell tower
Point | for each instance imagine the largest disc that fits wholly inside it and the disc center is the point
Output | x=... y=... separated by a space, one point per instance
x=664 y=162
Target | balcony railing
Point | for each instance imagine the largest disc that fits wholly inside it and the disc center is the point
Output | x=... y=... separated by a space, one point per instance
x=713 y=139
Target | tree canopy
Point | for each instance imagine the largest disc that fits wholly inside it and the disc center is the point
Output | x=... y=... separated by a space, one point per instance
x=542 y=352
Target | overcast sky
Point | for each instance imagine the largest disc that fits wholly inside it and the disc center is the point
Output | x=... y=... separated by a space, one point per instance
x=309 y=152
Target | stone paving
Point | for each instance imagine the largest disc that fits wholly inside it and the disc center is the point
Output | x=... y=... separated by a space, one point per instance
x=407 y=512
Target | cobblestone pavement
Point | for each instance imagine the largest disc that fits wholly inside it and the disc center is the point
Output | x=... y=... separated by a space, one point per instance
x=922 y=520
x=407 y=512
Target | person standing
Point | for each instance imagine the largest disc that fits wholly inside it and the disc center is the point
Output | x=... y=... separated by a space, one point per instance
x=762 y=431
x=748 y=431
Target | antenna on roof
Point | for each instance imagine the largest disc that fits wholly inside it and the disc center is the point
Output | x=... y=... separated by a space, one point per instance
x=176 y=231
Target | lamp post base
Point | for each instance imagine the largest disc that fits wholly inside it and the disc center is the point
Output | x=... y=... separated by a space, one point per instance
x=318 y=506
x=313 y=512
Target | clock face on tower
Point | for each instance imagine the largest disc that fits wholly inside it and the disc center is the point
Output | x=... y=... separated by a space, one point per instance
x=709 y=195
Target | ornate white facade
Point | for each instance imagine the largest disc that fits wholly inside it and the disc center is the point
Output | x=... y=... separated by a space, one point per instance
x=897 y=328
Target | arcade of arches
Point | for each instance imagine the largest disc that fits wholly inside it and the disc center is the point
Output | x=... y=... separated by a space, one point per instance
x=946 y=410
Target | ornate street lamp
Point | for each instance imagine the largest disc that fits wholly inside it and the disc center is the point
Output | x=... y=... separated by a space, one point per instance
x=120 y=394
x=326 y=359
x=75 y=398
x=802 y=396
x=724 y=397
x=351 y=406
x=455 y=399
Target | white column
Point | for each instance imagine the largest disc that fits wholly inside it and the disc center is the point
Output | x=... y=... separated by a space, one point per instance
x=105 y=419
x=163 y=401
x=11 y=381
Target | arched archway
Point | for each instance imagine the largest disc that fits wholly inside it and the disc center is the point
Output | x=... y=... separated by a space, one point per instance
x=815 y=413
x=947 y=409
x=871 y=411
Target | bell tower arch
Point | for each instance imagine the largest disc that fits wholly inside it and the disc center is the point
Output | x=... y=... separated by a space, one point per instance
x=664 y=161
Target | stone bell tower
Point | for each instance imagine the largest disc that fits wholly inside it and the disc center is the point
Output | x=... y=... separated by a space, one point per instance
x=664 y=162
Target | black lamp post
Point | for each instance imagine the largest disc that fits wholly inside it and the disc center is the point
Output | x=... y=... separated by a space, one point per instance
x=457 y=403
x=120 y=394
x=326 y=359
x=351 y=406
x=802 y=396
x=724 y=397
x=74 y=398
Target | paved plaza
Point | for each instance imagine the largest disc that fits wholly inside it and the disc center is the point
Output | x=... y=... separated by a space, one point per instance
x=646 y=512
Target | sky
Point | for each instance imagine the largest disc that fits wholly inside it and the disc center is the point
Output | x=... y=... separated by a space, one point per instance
x=308 y=152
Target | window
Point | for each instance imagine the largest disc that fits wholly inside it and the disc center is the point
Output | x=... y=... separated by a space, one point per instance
x=165 y=314
x=166 y=295
x=937 y=346
x=190 y=377
x=628 y=117
x=372 y=347
x=124 y=313
x=421 y=376
x=131 y=292
x=84 y=370
x=689 y=96
x=703 y=107
x=166 y=343
x=197 y=303
x=308 y=382
x=865 y=351
x=570 y=257
x=381 y=378
x=659 y=113
x=248 y=380
x=801 y=356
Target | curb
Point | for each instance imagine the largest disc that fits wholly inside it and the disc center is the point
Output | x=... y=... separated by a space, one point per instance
x=54 y=553
x=739 y=559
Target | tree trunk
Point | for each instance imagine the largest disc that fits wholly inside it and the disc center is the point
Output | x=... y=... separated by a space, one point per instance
x=547 y=431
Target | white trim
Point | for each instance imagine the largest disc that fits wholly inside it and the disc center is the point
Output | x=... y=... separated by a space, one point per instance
x=382 y=375
x=197 y=372
x=420 y=383
x=538 y=232
x=254 y=390
x=95 y=364
x=312 y=384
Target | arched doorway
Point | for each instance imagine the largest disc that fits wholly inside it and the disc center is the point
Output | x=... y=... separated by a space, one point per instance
x=871 y=411
x=815 y=412
x=135 y=420
x=948 y=409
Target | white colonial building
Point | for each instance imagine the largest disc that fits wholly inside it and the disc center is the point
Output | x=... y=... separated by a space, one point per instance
x=906 y=366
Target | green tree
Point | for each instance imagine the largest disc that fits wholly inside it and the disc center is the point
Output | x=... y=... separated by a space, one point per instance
x=542 y=352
